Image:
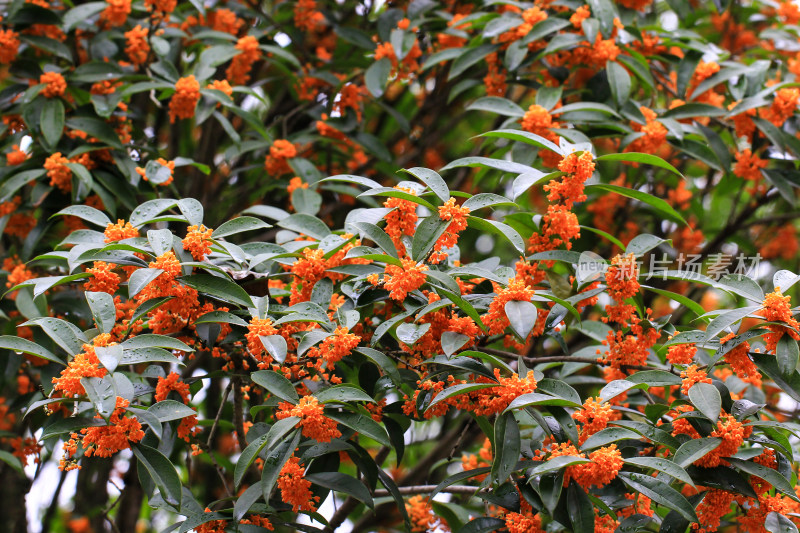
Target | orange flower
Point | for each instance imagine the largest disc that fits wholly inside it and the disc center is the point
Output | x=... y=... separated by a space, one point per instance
x=295 y=488
x=105 y=441
x=55 y=84
x=276 y=162
x=224 y=20
x=681 y=354
x=120 y=231
x=164 y=6
x=605 y=464
x=402 y=280
x=169 y=164
x=59 y=173
x=259 y=327
x=198 y=241
x=337 y=346
x=402 y=220
x=495 y=318
x=315 y=425
x=296 y=183
x=239 y=70
x=622 y=277
x=184 y=101
x=221 y=85
x=748 y=165
x=789 y=12
x=777 y=309
x=716 y=504
x=171 y=383
x=594 y=416
x=637 y=5
x=84 y=365
x=306 y=15
x=783 y=106
x=9 y=46
x=16 y=156
x=692 y=375
x=493 y=400
x=116 y=13
x=654 y=134
x=350 y=97
x=570 y=188
x=422 y=515
x=457 y=216
x=495 y=79
x=581 y=14
x=137 y=48
x=103 y=279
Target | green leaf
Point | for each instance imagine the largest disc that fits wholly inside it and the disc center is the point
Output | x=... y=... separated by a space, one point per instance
x=606 y=436
x=65 y=334
x=620 y=82
x=276 y=434
x=433 y=180
x=661 y=206
x=773 y=477
x=506 y=447
x=52 y=121
x=692 y=450
x=483 y=524
x=378 y=236
x=482 y=200
x=662 y=465
x=276 y=384
x=777 y=523
x=655 y=378
x=168 y=410
x=238 y=225
x=452 y=342
x=469 y=57
x=218 y=287
x=787 y=354
x=109 y=356
x=426 y=235
x=17 y=344
x=706 y=398
x=364 y=425
x=660 y=492
x=643 y=243
x=81 y=13
x=89 y=214
x=146 y=340
x=339 y=482
x=101 y=393
x=456 y=390
x=580 y=509
x=727 y=319
x=276 y=347
x=535 y=398
x=555 y=464
x=274 y=462
x=376 y=76
x=498 y=228
x=636 y=157
x=162 y=472
x=305 y=224
x=141 y=278
x=525 y=137
x=343 y=394
x=495 y=104
x=103 y=309
x=488 y=162
x=522 y=315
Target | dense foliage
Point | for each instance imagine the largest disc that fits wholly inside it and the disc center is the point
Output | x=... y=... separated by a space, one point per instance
x=425 y=266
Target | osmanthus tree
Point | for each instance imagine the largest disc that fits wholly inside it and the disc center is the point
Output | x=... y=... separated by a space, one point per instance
x=228 y=303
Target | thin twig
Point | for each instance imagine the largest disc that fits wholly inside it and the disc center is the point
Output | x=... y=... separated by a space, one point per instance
x=219 y=415
x=425 y=489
